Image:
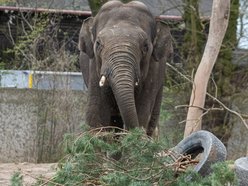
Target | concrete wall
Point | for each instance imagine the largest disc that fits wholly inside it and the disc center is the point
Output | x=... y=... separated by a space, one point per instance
x=33 y=122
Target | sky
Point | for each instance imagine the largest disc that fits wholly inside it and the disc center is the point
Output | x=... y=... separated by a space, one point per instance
x=242 y=29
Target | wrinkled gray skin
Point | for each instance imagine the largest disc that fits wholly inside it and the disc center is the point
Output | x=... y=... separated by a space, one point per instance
x=125 y=44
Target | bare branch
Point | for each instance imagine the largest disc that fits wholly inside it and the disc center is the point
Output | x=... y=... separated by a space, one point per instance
x=24 y=19
x=241 y=116
x=229 y=110
x=10 y=34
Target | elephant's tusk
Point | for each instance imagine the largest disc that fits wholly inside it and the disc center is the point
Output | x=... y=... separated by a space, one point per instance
x=102 y=81
x=136 y=84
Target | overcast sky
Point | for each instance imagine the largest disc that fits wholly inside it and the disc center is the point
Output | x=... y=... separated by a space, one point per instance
x=242 y=31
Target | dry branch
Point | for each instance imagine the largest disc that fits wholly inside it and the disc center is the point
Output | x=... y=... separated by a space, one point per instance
x=242 y=117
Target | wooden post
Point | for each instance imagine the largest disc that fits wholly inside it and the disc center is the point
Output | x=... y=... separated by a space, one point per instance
x=218 y=25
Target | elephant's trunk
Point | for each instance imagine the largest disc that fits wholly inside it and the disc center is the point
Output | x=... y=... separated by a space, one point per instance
x=122 y=78
x=122 y=85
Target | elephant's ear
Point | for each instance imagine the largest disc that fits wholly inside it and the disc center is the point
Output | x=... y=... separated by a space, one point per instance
x=85 y=43
x=162 y=45
x=85 y=46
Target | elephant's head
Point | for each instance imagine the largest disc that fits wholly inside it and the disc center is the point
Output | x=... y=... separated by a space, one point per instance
x=123 y=40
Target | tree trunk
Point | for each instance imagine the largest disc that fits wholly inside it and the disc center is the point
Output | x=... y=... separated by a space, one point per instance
x=95 y=5
x=218 y=26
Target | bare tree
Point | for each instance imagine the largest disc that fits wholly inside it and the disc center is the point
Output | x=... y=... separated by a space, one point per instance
x=218 y=26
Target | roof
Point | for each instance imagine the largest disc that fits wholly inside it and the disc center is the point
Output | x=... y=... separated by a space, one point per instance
x=158 y=7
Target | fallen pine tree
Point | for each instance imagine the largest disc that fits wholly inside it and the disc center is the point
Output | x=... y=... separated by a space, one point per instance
x=105 y=157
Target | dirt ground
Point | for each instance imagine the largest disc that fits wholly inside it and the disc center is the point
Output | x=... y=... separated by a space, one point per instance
x=30 y=172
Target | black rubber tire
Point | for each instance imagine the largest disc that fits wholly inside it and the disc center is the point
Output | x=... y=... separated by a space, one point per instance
x=241 y=170
x=212 y=149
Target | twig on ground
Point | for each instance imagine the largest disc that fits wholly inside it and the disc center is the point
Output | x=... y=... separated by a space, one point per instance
x=41 y=179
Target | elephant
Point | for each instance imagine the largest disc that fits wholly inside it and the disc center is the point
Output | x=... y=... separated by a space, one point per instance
x=123 y=53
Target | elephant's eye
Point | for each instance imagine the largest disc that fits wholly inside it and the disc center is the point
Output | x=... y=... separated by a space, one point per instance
x=145 y=48
x=98 y=46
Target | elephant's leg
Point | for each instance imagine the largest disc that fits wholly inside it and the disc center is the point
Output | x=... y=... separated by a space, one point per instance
x=144 y=106
x=93 y=115
x=153 y=123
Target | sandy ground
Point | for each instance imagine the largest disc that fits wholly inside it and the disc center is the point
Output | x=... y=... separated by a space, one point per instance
x=31 y=172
